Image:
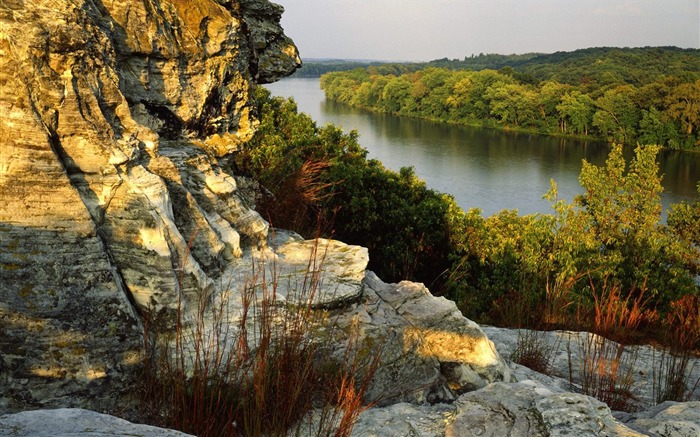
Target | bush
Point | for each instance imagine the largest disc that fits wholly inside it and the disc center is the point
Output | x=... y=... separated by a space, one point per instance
x=311 y=175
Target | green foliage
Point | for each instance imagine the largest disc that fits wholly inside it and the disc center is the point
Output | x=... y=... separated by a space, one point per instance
x=612 y=234
x=394 y=215
x=620 y=218
x=576 y=111
x=684 y=219
x=624 y=102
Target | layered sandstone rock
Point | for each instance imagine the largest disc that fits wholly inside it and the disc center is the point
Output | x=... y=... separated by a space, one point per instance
x=113 y=202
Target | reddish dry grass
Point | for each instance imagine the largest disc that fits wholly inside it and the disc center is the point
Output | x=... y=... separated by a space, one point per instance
x=617 y=316
x=534 y=351
x=673 y=367
x=606 y=367
x=260 y=377
x=295 y=197
x=683 y=324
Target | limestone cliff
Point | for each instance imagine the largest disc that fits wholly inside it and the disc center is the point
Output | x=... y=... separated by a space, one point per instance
x=114 y=119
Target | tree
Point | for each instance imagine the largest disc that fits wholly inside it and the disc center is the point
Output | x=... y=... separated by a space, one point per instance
x=459 y=100
x=513 y=104
x=684 y=106
x=614 y=230
x=655 y=128
x=684 y=219
x=576 y=110
x=617 y=115
x=396 y=95
x=549 y=95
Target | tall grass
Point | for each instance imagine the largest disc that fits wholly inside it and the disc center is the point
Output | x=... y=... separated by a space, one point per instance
x=292 y=200
x=607 y=371
x=262 y=375
x=672 y=369
x=607 y=363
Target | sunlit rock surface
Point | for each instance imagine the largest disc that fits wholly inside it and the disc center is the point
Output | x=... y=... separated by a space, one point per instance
x=113 y=199
x=430 y=352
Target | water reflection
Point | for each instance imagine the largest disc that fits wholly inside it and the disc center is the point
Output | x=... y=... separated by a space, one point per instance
x=482 y=168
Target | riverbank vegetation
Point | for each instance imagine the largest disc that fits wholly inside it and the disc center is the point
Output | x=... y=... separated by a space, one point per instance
x=550 y=267
x=626 y=96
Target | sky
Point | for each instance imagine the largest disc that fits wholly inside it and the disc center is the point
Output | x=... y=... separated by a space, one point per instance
x=423 y=30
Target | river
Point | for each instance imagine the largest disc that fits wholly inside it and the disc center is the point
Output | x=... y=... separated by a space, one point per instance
x=482 y=168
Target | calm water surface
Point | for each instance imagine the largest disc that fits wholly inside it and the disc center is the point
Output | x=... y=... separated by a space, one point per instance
x=482 y=168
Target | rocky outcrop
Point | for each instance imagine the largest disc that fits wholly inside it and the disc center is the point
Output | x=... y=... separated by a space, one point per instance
x=118 y=209
x=521 y=409
x=430 y=352
x=115 y=121
x=568 y=350
x=75 y=422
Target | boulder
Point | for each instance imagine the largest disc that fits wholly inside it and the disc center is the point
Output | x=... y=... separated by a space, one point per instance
x=75 y=422
x=526 y=408
x=430 y=351
x=668 y=419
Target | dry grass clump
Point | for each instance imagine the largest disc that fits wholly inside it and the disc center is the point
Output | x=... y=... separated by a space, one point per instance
x=672 y=369
x=265 y=375
x=533 y=350
x=616 y=320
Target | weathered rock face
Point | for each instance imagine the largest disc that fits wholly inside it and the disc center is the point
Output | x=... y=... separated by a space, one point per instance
x=113 y=202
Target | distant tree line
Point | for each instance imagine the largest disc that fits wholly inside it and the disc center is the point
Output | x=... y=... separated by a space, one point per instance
x=596 y=66
x=640 y=101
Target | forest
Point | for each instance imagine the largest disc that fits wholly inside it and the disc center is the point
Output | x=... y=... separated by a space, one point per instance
x=625 y=96
x=549 y=268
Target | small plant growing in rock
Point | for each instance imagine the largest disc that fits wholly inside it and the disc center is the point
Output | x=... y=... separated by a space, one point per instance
x=534 y=351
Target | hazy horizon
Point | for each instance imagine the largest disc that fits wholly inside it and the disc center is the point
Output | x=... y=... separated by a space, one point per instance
x=423 y=30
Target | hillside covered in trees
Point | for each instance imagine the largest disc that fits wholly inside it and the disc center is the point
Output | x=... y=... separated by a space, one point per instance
x=629 y=96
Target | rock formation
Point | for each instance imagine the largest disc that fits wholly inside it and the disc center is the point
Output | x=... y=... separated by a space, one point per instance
x=117 y=120
x=75 y=422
